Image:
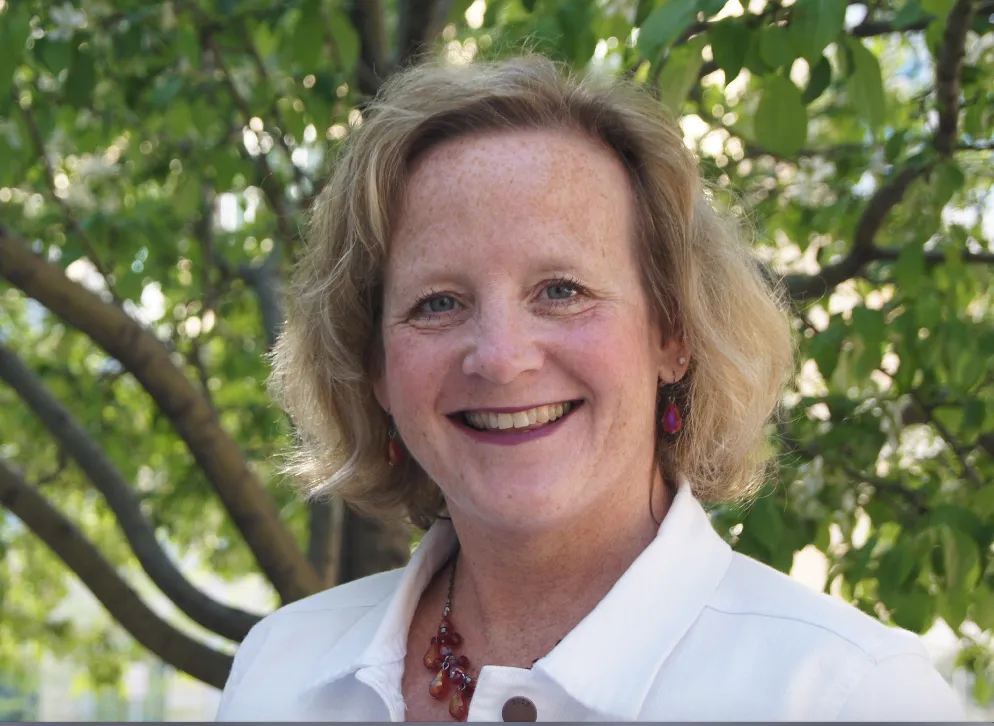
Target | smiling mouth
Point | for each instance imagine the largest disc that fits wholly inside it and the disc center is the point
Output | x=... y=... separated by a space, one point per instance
x=528 y=420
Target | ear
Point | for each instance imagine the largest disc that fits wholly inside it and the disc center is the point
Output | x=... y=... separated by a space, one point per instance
x=674 y=359
x=380 y=392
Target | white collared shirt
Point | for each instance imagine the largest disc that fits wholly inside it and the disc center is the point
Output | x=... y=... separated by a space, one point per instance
x=691 y=631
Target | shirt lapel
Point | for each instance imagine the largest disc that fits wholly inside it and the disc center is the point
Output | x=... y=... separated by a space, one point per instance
x=380 y=636
x=609 y=661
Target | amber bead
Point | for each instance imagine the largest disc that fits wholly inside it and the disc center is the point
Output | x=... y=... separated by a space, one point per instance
x=453 y=638
x=433 y=659
x=458 y=705
x=439 y=685
x=462 y=661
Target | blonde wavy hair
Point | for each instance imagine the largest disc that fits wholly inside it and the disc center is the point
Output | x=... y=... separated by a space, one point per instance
x=699 y=274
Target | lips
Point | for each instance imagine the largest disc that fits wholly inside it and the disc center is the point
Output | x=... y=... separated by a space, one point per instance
x=529 y=419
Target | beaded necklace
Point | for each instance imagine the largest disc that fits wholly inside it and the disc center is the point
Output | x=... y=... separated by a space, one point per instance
x=451 y=677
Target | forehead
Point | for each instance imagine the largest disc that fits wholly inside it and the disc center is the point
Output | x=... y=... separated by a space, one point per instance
x=520 y=186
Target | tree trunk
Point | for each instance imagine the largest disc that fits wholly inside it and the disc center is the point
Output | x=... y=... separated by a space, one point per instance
x=369 y=546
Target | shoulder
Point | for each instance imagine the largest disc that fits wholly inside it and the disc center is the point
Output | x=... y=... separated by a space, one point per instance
x=365 y=592
x=299 y=636
x=340 y=602
x=770 y=599
x=860 y=668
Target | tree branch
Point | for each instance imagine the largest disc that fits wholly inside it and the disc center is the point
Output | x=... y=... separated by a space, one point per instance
x=370 y=546
x=303 y=181
x=936 y=258
x=368 y=19
x=265 y=284
x=968 y=471
x=807 y=287
x=229 y=622
x=948 y=73
x=264 y=172
x=147 y=359
x=324 y=549
x=99 y=576
x=811 y=451
x=84 y=238
x=419 y=22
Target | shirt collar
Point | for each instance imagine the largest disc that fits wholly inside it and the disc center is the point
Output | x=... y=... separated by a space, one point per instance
x=609 y=661
x=380 y=636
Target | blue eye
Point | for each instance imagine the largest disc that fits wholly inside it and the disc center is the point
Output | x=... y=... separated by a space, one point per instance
x=561 y=290
x=438 y=304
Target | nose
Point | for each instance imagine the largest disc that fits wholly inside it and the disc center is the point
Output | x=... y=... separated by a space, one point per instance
x=504 y=346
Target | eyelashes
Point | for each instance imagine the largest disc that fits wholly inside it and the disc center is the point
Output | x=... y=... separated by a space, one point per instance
x=434 y=304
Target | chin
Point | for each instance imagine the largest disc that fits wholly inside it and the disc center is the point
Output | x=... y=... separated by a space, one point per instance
x=524 y=505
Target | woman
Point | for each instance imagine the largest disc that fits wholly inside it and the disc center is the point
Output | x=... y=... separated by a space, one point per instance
x=520 y=323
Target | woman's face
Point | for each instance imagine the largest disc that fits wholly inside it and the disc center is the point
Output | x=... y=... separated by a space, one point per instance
x=521 y=361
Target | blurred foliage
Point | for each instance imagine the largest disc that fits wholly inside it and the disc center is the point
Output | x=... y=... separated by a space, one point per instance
x=166 y=153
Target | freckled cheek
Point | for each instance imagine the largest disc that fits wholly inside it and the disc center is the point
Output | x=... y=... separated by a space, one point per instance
x=416 y=366
x=609 y=358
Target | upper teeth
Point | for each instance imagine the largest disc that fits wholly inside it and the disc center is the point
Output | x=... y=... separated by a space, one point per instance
x=519 y=419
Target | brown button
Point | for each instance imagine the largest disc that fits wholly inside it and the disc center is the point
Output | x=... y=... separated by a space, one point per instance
x=519 y=709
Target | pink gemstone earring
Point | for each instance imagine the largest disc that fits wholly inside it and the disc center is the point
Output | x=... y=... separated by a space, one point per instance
x=672 y=419
x=395 y=452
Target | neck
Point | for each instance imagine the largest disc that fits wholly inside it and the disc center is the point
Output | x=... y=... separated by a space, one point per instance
x=518 y=592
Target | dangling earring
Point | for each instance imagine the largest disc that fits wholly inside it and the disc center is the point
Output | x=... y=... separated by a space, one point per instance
x=672 y=419
x=395 y=452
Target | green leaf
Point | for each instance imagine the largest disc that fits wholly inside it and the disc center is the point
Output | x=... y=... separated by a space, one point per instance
x=895 y=568
x=729 y=45
x=814 y=24
x=82 y=78
x=775 y=48
x=765 y=523
x=983 y=611
x=826 y=348
x=55 y=54
x=781 y=123
x=894 y=146
x=947 y=179
x=15 y=26
x=961 y=558
x=983 y=502
x=710 y=7
x=664 y=25
x=938 y=8
x=910 y=14
x=818 y=80
x=866 y=88
x=308 y=36
x=642 y=11
x=914 y=611
x=974 y=413
x=753 y=61
x=953 y=607
x=983 y=689
x=346 y=40
x=164 y=92
x=680 y=73
x=909 y=270
x=868 y=325
x=188 y=44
